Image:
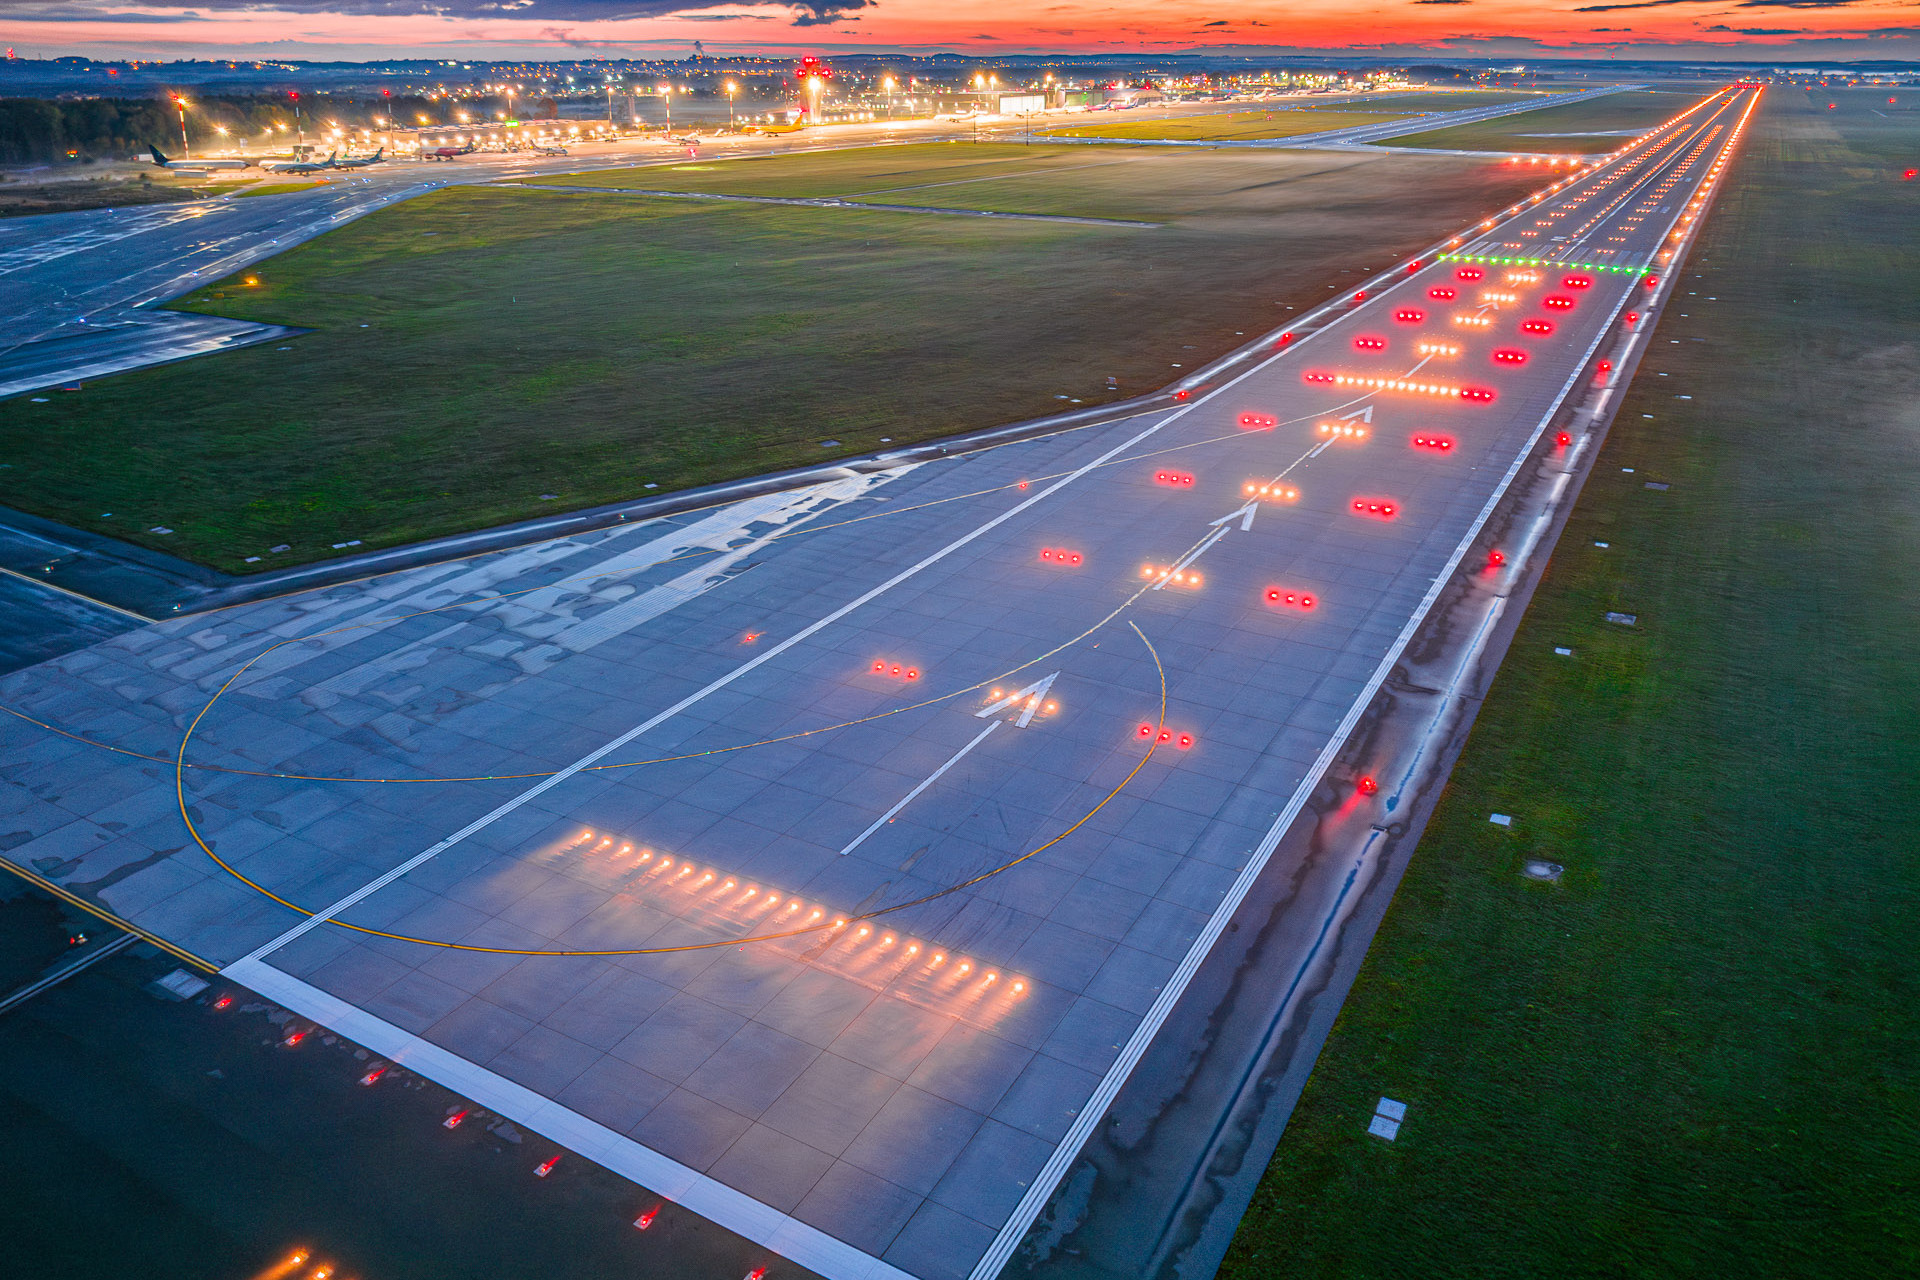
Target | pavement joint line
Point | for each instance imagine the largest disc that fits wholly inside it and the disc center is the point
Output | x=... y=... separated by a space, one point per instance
x=1043 y=1185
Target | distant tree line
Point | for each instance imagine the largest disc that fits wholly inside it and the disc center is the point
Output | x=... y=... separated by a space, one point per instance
x=49 y=131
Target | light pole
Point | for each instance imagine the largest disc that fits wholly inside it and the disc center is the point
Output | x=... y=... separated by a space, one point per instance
x=813 y=100
x=888 y=84
x=181 y=103
x=299 y=132
x=732 y=89
x=666 y=97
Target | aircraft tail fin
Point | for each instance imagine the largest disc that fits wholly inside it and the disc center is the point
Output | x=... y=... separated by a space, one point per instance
x=158 y=159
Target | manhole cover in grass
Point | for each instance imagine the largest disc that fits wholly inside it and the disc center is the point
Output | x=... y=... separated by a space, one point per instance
x=1537 y=869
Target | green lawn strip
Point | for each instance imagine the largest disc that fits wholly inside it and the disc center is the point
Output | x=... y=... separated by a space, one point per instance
x=275 y=189
x=1238 y=127
x=520 y=343
x=1697 y=1054
x=1634 y=109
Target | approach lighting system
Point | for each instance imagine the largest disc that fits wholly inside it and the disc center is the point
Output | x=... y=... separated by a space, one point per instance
x=1374 y=508
x=1271 y=491
x=1409 y=315
x=1282 y=598
x=1507 y=355
x=1367 y=342
x=1055 y=555
x=1441 y=293
x=1437 y=443
x=1541 y=328
x=1266 y=421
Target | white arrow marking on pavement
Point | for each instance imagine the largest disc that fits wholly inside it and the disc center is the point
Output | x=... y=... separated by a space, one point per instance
x=931 y=778
x=1365 y=415
x=1033 y=695
x=1244 y=515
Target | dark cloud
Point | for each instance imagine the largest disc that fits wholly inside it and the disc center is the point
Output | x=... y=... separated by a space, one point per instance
x=1759 y=31
x=1796 y=4
x=1637 y=4
x=93 y=15
x=1443 y=1
x=806 y=13
x=1217 y=22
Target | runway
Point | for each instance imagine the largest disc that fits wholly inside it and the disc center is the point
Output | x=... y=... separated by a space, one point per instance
x=985 y=752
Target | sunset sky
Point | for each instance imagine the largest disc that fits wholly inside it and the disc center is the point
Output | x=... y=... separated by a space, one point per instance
x=1790 y=30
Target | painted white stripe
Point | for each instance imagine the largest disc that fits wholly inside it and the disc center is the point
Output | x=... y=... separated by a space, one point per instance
x=1042 y=1187
x=926 y=782
x=736 y=1211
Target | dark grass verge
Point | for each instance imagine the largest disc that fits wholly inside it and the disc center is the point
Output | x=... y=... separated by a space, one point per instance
x=1698 y=1053
x=484 y=355
x=1635 y=109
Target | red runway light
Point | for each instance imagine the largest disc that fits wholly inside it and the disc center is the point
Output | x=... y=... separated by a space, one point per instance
x=1507 y=355
x=1439 y=444
x=1480 y=395
x=645 y=1220
x=1564 y=439
x=1056 y=555
x=1314 y=375
x=373 y=1077
x=1470 y=273
x=1409 y=315
x=1367 y=342
x=1361 y=296
x=1146 y=731
x=1543 y=327
x=1415 y=264
x=542 y=1170
x=1181 y=395
x=1651 y=282
x=1911 y=174
x=223 y=1002
x=453 y=1121
x=1289 y=599
x=1441 y=293
x=1557 y=303
x=1367 y=786
x=1184 y=741
x=1266 y=421
x=1174 y=479
x=1605 y=366
x=1285 y=338
x=1496 y=558
x=1577 y=282
x=1375 y=508
x=1633 y=317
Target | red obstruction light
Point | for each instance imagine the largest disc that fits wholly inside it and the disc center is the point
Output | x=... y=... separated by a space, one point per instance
x=1289 y=599
x=1409 y=315
x=1266 y=421
x=1470 y=273
x=1558 y=302
x=1055 y=555
x=1439 y=444
x=1367 y=786
x=1508 y=355
x=1543 y=327
x=1441 y=293
x=1367 y=342
x=1480 y=395
x=1375 y=508
x=1577 y=282
x=1174 y=479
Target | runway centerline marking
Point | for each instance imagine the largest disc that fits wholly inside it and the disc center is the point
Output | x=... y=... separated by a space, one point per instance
x=925 y=782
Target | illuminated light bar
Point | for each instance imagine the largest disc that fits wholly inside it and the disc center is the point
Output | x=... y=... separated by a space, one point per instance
x=1174 y=479
x=1409 y=315
x=1441 y=293
x=1341 y=431
x=1543 y=327
x=1477 y=322
x=1271 y=491
x=1289 y=599
x=1188 y=578
x=1180 y=740
x=1577 y=282
x=1537 y=262
x=1468 y=273
x=1523 y=277
x=1266 y=421
x=1375 y=508
x=1496 y=295
x=1311 y=375
x=1442 y=389
x=1367 y=342
x=1437 y=348
x=897 y=670
x=1558 y=302
x=1054 y=555
x=1439 y=444
x=1481 y=395
x=1508 y=355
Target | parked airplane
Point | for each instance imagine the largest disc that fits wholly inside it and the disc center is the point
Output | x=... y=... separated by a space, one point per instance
x=685 y=140
x=376 y=158
x=446 y=153
x=548 y=151
x=165 y=163
x=301 y=166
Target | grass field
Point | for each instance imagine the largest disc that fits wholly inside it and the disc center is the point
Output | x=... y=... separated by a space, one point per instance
x=274 y=189
x=478 y=348
x=1235 y=126
x=1698 y=1054
x=1532 y=130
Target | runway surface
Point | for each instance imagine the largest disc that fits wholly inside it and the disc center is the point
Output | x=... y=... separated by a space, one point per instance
x=829 y=862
